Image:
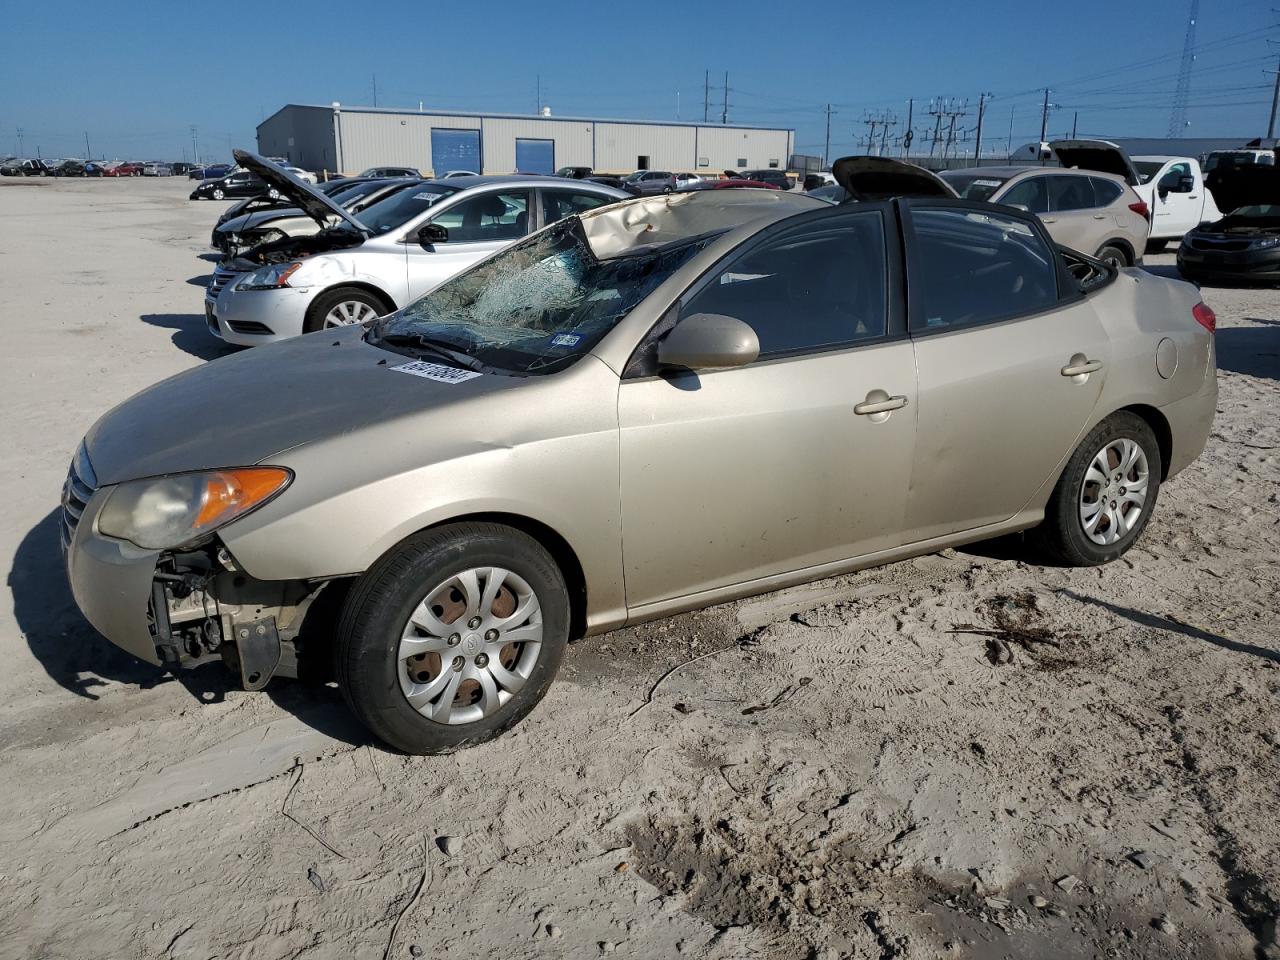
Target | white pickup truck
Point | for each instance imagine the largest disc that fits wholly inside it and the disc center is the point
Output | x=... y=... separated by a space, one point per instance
x=1172 y=187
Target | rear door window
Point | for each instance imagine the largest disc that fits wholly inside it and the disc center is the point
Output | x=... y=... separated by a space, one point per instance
x=1106 y=192
x=1070 y=193
x=969 y=266
x=1029 y=194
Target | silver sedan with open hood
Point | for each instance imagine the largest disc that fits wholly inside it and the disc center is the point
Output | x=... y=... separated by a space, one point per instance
x=642 y=409
x=358 y=266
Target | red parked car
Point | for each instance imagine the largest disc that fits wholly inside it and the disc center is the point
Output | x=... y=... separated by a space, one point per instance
x=129 y=169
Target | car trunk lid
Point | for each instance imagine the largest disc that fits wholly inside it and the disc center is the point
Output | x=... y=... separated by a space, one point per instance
x=1101 y=155
x=880 y=178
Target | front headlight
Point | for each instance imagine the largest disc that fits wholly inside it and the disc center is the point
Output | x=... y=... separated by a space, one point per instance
x=274 y=277
x=167 y=512
x=1266 y=243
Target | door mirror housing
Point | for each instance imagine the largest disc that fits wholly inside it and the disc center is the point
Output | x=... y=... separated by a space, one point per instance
x=433 y=233
x=708 y=340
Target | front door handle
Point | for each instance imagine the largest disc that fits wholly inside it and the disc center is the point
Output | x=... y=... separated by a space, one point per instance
x=1048 y=219
x=1099 y=216
x=1081 y=366
x=879 y=402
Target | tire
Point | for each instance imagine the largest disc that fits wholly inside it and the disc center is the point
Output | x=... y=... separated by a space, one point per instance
x=377 y=683
x=351 y=304
x=1063 y=536
x=219 y=194
x=1114 y=256
x=1156 y=246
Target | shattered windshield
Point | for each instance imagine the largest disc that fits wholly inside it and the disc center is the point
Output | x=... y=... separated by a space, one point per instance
x=538 y=306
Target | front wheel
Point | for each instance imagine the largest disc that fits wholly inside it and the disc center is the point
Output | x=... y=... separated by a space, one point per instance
x=1106 y=494
x=453 y=637
x=219 y=194
x=343 y=308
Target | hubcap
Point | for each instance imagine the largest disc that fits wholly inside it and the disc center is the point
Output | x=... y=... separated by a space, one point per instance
x=348 y=312
x=1114 y=492
x=452 y=672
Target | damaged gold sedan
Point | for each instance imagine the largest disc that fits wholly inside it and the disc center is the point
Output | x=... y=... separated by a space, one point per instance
x=650 y=407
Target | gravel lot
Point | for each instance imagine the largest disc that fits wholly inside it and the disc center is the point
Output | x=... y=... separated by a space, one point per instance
x=843 y=769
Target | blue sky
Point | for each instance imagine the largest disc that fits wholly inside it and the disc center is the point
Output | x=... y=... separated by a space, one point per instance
x=136 y=76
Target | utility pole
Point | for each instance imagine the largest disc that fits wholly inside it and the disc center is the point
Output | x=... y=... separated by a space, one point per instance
x=195 y=151
x=826 y=151
x=906 y=137
x=1075 y=123
x=1275 y=101
x=871 y=123
x=21 y=151
x=935 y=111
x=982 y=109
x=1009 y=147
x=88 y=155
x=706 y=96
x=538 y=108
x=1044 y=115
x=724 y=114
x=887 y=121
x=375 y=89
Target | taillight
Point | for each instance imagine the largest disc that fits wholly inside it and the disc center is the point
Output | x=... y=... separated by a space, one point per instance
x=1141 y=209
x=1205 y=317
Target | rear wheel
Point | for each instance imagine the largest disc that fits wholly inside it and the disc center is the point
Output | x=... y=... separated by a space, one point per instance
x=453 y=637
x=1113 y=256
x=1105 y=496
x=343 y=308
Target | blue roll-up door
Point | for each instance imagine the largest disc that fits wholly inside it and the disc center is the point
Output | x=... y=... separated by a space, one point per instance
x=535 y=156
x=455 y=150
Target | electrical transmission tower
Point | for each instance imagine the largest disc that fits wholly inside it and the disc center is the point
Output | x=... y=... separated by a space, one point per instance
x=1178 y=121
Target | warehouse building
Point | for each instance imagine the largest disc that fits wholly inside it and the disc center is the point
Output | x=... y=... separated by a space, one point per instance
x=351 y=139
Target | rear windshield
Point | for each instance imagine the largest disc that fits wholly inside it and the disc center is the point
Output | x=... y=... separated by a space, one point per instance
x=974 y=186
x=390 y=212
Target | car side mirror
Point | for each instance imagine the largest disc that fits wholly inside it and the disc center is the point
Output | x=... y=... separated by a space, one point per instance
x=709 y=340
x=433 y=233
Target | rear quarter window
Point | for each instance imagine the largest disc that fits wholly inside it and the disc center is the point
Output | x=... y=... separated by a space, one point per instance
x=1107 y=191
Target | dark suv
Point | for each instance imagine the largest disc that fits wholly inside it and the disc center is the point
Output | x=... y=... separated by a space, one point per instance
x=776 y=178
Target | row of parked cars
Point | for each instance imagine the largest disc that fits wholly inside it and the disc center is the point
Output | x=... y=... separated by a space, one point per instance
x=543 y=408
x=71 y=167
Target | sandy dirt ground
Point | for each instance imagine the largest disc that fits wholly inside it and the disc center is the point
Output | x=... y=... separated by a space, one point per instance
x=959 y=755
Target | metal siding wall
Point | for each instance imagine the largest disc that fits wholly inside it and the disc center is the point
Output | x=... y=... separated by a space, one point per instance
x=618 y=145
x=371 y=139
x=572 y=139
x=725 y=146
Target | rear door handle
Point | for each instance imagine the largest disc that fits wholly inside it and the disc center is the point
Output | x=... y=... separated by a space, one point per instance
x=1079 y=367
x=870 y=406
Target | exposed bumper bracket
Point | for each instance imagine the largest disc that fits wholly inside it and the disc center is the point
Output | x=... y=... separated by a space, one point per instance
x=256 y=652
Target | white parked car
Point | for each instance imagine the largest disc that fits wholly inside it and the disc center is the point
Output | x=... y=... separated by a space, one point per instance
x=360 y=267
x=303 y=175
x=685 y=180
x=1172 y=187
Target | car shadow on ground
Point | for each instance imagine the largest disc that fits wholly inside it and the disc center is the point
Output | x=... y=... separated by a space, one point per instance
x=200 y=281
x=1176 y=626
x=190 y=334
x=82 y=662
x=209 y=257
x=1254 y=351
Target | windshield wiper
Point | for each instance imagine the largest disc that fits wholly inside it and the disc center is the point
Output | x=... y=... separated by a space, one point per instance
x=425 y=344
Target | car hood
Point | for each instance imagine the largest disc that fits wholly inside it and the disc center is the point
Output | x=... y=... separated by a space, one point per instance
x=244 y=409
x=1101 y=155
x=303 y=195
x=880 y=178
x=1233 y=226
x=247 y=221
x=1243 y=186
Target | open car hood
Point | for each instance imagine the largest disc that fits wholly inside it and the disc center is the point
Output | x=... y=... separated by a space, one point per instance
x=1236 y=187
x=1101 y=155
x=302 y=195
x=880 y=178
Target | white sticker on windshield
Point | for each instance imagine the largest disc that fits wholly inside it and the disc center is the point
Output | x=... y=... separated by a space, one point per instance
x=987 y=183
x=436 y=371
x=432 y=197
x=565 y=340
